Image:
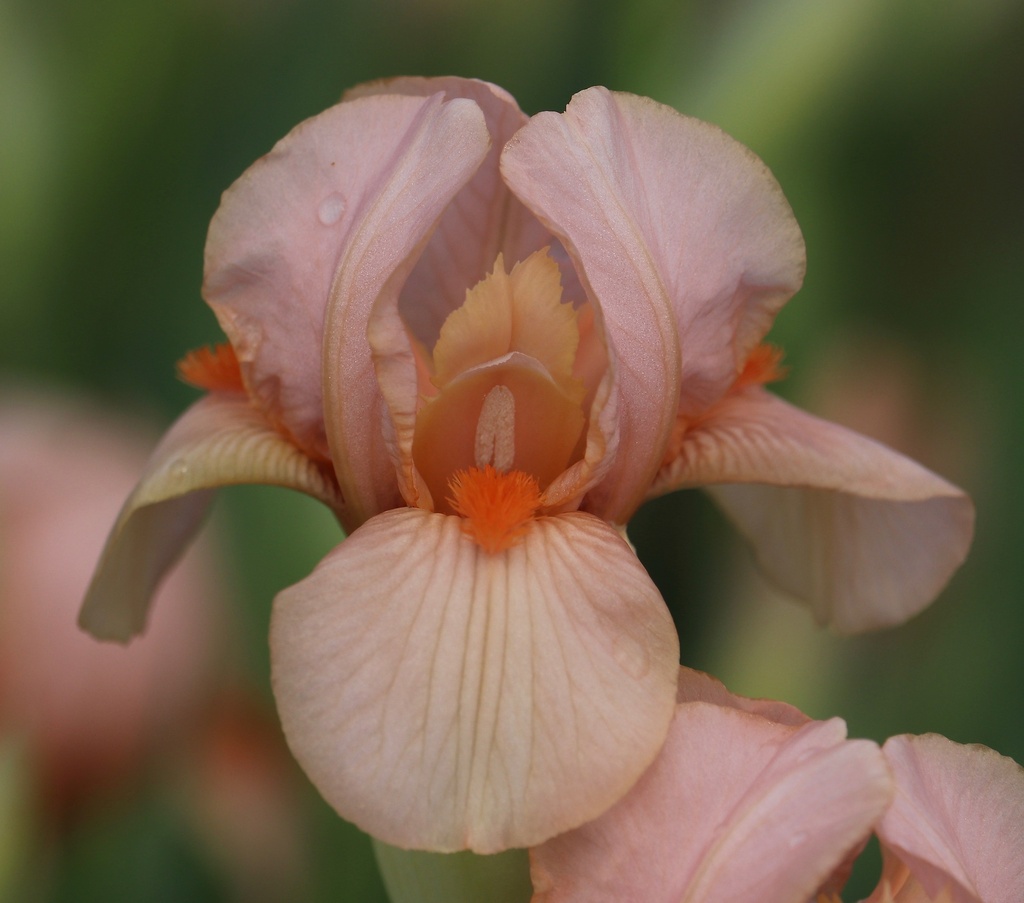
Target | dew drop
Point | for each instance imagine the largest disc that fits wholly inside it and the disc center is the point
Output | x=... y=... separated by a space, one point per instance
x=331 y=208
x=179 y=469
x=797 y=839
x=805 y=755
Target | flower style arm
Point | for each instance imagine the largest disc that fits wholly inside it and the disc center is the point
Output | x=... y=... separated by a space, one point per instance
x=221 y=440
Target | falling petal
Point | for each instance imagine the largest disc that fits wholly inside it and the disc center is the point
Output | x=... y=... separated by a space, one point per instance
x=867 y=537
x=492 y=700
x=221 y=440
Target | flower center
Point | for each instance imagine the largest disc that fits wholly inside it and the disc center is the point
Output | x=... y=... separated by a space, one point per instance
x=496 y=506
x=502 y=415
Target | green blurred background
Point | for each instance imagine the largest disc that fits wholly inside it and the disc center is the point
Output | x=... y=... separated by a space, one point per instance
x=897 y=133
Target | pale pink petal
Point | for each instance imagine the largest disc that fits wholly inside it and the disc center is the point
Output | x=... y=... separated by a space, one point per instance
x=221 y=440
x=443 y=698
x=696 y=686
x=958 y=818
x=864 y=535
x=483 y=220
x=736 y=807
x=320 y=223
x=682 y=236
x=436 y=160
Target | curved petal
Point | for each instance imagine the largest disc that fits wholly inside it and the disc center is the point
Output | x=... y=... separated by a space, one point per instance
x=736 y=807
x=958 y=818
x=696 y=686
x=865 y=535
x=483 y=220
x=576 y=172
x=445 y=698
x=221 y=440
x=682 y=235
x=329 y=194
x=439 y=153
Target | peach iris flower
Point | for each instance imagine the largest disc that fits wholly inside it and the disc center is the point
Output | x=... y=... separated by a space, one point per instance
x=751 y=800
x=484 y=340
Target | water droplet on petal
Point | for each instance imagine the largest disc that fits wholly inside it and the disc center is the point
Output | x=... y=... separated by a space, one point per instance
x=179 y=468
x=797 y=839
x=806 y=754
x=331 y=208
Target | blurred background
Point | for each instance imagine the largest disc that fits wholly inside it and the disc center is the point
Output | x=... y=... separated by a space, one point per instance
x=897 y=133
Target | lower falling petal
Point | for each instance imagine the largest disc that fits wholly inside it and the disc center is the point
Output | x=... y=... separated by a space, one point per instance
x=443 y=697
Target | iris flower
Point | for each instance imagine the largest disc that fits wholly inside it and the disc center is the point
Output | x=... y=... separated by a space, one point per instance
x=751 y=800
x=484 y=340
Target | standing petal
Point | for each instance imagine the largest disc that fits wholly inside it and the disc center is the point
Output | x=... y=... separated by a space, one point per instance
x=682 y=236
x=864 y=535
x=957 y=822
x=221 y=440
x=483 y=219
x=576 y=176
x=294 y=259
x=440 y=159
x=442 y=697
x=735 y=807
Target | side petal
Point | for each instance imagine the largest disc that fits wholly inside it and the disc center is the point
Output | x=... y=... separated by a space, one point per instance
x=221 y=440
x=736 y=807
x=864 y=535
x=360 y=185
x=445 y=698
x=958 y=819
x=483 y=220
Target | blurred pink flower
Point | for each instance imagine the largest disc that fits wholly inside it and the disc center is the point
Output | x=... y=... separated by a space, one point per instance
x=88 y=713
x=483 y=340
x=243 y=794
x=751 y=800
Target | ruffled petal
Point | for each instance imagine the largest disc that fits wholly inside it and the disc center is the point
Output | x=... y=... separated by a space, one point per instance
x=443 y=698
x=682 y=235
x=958 y=819
x=483 y=220
x=864 y=535
x=221 y=440
x=736 y=807
x=323 y=221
